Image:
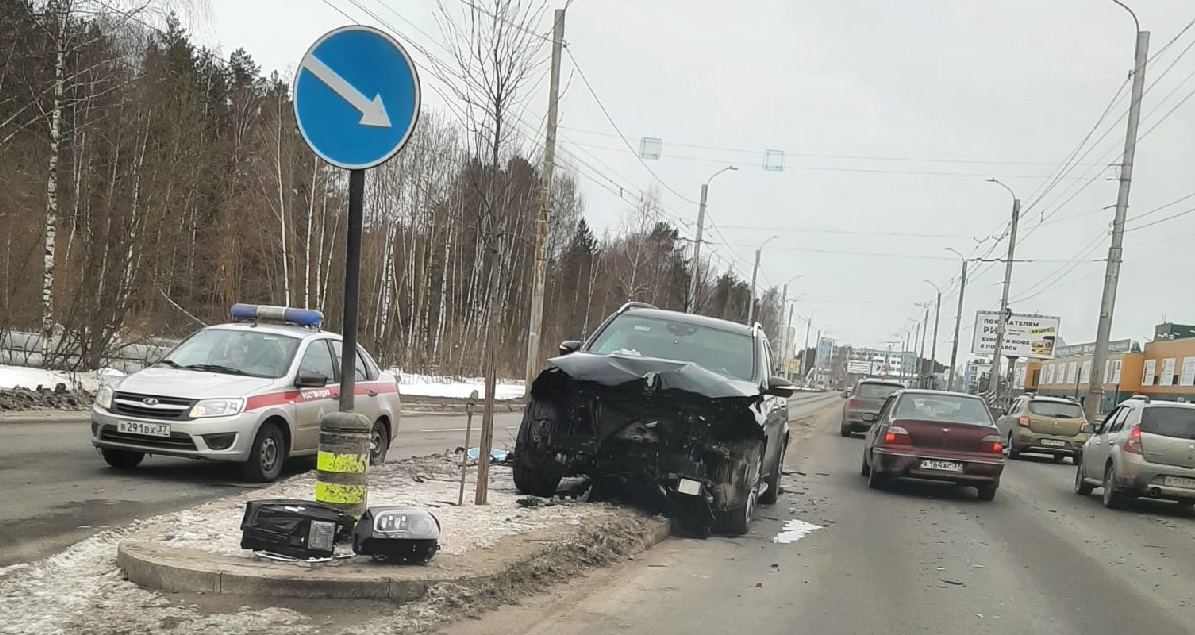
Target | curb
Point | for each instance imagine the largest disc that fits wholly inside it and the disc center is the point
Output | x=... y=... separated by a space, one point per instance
x=153 y=566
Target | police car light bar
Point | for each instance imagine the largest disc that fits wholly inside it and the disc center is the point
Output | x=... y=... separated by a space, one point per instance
x=301 y=317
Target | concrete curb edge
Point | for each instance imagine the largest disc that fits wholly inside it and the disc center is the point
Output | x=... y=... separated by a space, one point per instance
x=177 y=570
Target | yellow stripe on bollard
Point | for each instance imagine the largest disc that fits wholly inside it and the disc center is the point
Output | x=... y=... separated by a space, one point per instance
x=335 y=493
x=341 y=463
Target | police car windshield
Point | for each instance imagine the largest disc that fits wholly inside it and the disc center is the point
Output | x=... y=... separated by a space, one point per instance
x=235 y=352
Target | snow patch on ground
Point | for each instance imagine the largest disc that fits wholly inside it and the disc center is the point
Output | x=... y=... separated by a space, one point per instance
x=31 y=378
x=431 y=482
x=794 y=530
x=81 y=591
x=453 y=387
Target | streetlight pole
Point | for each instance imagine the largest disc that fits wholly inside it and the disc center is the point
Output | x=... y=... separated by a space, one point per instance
x=691 y=301
x=1095 y=387
x=754 y=273
x=933 y=347
x=958 y=319
x=994 y=376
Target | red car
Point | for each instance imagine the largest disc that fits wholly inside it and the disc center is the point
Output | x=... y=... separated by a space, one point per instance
x=934 y=435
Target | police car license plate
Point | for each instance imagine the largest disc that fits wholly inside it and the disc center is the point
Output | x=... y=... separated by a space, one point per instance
x=946 y=466
x=146 y=429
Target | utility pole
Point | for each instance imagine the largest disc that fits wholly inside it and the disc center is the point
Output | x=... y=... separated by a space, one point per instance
x=788 y=339
x=1001 y=321
x=805 y=351
x=535 y=329
x=1095 y=388
x=691 y=301
x=933 y=347
x=958 y=319
x=921 y=355
x=754 y=273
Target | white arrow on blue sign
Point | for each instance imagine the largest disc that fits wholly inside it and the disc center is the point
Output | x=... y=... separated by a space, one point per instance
x=356 y=97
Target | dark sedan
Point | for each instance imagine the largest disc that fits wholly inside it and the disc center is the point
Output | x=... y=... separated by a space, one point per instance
x=934 y=435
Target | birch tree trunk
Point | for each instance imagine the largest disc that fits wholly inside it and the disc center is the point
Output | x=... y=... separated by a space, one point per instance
x=51 y=218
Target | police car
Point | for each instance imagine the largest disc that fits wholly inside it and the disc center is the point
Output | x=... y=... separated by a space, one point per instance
x=252 y=392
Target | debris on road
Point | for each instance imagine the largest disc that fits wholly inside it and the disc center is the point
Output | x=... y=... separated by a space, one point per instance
x=794 y=530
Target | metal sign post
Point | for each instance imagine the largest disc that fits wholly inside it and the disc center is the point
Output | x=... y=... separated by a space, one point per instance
x=356 y=99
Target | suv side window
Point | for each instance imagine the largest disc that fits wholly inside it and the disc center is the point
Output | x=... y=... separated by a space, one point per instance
x=318 y=359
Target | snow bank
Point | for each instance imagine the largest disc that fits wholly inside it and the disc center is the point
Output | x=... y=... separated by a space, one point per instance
x=431 y=482
x=81 y=591
x=31 y=378
x=453 y=387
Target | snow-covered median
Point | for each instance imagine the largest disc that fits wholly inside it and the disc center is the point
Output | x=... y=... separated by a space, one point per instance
x=453 y=387
x=432 y=482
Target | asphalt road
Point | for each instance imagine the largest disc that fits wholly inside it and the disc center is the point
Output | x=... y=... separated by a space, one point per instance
x=920 y=559
x=57 y=490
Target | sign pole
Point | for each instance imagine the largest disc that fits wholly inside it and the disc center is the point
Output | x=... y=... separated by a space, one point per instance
x=356 y=99
x=352 y=288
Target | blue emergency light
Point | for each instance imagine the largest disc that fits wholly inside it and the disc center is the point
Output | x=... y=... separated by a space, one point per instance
x=300 y=317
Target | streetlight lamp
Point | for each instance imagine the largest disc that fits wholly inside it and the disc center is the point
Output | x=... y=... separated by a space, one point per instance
x=933 y=347
x=994 y=377
x=691 y=301
x=754 y=273
x=958 y=318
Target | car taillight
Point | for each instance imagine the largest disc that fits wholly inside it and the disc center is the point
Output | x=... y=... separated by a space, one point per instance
x=992 y=443
x=1133 y=443
x=1023 y=422
x=897 y=435
x=854 y=403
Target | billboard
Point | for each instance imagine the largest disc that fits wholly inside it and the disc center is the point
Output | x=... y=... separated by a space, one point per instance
x=1114 y=347
x=1024 y=335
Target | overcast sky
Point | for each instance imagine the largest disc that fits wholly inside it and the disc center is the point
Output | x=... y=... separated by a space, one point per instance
x=891 y=116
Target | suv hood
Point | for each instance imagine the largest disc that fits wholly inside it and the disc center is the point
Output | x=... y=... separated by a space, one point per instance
x=661 y=375
x=191 y=384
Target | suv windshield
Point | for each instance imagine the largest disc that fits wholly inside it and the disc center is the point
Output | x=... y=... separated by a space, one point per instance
x=944 y=408
x=1056 y=409
x=235 y=352
x=871 y=390
x=727 y=353
x=1169 y=421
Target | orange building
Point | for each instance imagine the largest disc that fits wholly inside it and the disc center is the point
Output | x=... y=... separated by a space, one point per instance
x=1164 y=370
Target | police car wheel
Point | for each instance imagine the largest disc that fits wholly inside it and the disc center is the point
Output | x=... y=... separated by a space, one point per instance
x=379 y=444
x=122 y=459
x=268 y=455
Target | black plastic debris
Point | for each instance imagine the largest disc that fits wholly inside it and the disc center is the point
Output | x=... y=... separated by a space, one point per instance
x=397 y=534
x=295 y=528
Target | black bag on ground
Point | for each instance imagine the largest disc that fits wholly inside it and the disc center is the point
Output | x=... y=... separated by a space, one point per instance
x=296 y=528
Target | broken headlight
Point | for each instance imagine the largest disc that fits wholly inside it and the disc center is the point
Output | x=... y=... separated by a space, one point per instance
x=400 y=534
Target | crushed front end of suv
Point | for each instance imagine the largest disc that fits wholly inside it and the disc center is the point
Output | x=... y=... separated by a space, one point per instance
x=671 y=411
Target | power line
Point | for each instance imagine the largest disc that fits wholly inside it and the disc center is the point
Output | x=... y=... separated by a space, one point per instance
x=1161 y=220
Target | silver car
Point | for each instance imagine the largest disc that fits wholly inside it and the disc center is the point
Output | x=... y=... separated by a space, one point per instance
x=1141 y=449
x=251 y=392
x=869 y=395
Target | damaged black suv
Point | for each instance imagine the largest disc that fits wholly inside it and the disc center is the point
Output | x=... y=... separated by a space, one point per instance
x=673 y=411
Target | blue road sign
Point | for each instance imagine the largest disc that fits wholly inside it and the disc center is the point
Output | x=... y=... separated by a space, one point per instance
x=356 y=97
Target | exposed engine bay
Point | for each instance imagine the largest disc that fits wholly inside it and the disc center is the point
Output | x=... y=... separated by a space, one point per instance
x=669 y=436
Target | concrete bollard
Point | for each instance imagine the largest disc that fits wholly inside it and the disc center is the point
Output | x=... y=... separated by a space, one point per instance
x=342 y=461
